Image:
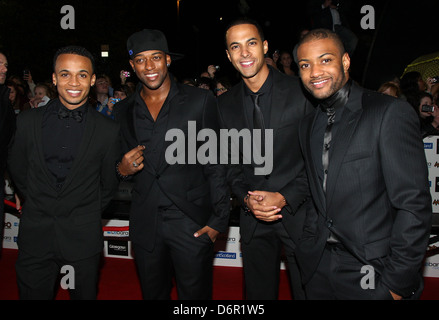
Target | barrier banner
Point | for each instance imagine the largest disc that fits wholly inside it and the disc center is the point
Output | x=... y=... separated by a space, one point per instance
x=431 y=147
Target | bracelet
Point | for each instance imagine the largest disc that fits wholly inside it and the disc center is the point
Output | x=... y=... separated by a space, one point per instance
x=120 y=176
x=246 y=209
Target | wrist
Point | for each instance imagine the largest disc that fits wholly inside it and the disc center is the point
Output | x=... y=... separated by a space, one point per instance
x=283 y=201
x=120 y=174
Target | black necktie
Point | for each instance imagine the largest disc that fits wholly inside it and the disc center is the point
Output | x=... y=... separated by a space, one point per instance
x=258 y=120
x=327 y=144
x=74 y=114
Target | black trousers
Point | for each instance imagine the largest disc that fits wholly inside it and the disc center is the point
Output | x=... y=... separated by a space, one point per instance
x=261 y=262
x=341 y=276
x=39 y=277
x=176 y=253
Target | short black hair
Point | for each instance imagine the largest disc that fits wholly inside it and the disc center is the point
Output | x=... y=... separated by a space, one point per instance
x=78 y=50
x=318 y=34
x=244 y=20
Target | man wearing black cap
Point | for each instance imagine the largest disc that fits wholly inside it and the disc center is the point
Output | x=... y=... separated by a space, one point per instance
x=177 y=209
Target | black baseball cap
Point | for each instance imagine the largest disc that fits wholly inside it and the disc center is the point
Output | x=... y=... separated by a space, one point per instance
x=149 y=39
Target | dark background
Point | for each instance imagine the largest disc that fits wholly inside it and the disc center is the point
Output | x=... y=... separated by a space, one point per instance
x=30 y=33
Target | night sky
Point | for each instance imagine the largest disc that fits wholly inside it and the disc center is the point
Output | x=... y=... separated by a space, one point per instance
x=30 y=33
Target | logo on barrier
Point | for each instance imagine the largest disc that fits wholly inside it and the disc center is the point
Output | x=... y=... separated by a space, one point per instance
x=433 y=265
x=428 y=145
x=225 y=255
x=118 y=248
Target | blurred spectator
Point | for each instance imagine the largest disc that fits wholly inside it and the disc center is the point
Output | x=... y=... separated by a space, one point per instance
x=189 y=82
x=21 y=86
x=433 y=87
x=428 y=113
x=284 y=63
x=43 y=93
x=329 y=16
x=205 y=83
x=390 y=88
x=27 y=77
x=411 y=84
x=222 y=86
x=16 y=97
x=124 y=75
x=120 y=93
x=102 y=93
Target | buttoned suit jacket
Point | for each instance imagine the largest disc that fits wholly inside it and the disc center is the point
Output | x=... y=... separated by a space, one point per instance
x=71 y=217
x=377 y=202
x=288 y=175
x=198 y=190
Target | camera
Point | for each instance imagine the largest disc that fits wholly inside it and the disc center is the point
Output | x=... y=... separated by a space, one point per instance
x=435 y=79
x=126 y=74
x=115 y=100
x=427 y=108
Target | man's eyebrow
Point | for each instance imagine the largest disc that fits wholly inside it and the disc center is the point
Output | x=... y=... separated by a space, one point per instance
x=320 y=56
x=248 y=40
x=66 y=70
x=142 y=55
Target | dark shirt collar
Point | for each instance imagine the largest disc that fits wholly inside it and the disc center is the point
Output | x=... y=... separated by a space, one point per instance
x=337 y=100
x=55 y=105
x=83 y=107
x=266 y=87
x=172 y=91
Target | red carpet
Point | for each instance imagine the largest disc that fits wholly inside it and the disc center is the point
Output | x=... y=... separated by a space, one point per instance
x=119 y=282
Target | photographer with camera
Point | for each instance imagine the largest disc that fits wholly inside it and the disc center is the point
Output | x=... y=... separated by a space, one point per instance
x=428 y=114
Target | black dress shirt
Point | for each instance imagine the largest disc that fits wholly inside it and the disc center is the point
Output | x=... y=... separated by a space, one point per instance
x=152 y=134
x=337 y=101
x=61 y=140
x=265 y=98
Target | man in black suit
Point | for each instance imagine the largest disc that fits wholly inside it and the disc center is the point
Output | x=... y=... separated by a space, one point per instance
x=62 y=161
x=7 y=128
x=274 y=198
x=177 y=209
x=369 y=182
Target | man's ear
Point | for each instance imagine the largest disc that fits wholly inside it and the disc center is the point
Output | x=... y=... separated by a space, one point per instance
x=93 y=80
x=54 y=79
x=346 y=60
x=228 y=55
x=265 y=44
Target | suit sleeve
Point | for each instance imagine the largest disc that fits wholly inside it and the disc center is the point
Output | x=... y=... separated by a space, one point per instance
x=297 y=192
x=109 y=178
x=216 y=173
x=406 y=177
x=17 y=155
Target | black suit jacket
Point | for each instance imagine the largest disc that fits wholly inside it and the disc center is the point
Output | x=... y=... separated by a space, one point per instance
x=71 y=217
x=288 y=176
x=199 y=191
x=378 y=202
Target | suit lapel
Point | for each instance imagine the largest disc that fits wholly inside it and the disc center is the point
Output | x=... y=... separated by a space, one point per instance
x=351 y=115
x=278 y=103
x=313 y=177
x=175 y=120
x=38 y=134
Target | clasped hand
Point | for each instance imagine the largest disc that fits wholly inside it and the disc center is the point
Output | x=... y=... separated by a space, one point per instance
x=265 y=205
